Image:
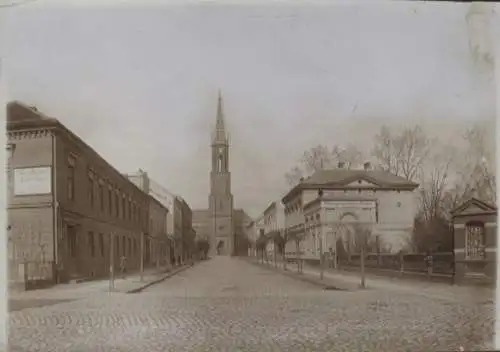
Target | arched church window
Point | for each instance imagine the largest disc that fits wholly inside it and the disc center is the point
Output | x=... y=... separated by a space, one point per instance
x=219 y=163
x=474 y=240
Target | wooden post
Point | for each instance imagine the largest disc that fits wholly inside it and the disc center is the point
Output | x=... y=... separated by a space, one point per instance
x=275 y=253
x=362 y=259
x=362 y=262
x=401 y=263
x=158 y=248
x=284 y=250
x=297 y=254
x=111 y=262
x=321 y=256
x=142 y=257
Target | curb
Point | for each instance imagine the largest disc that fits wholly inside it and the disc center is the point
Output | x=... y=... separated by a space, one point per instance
x=306 y=278
x=169 y=275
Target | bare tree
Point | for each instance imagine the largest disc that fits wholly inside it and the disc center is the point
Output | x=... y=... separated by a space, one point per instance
x=479 y=160
x=351 y=156
x=322 y=157
x=403 y=153
x=414 y=149
x=317 y=158
x=386 y=151
x=294 y=175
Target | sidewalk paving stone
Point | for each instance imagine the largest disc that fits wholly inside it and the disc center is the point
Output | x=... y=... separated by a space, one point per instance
x=130 y=284
x=351 y=280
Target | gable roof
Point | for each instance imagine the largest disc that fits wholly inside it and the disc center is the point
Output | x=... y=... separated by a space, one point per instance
x=339 y=178
x=482 y=206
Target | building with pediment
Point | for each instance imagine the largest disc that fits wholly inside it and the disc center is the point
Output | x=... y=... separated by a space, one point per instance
x=331 y=205
x=475 y=241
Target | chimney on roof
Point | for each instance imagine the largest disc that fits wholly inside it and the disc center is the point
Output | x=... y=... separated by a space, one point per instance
x=301 y=180
x=367 y=166
x=341 y=164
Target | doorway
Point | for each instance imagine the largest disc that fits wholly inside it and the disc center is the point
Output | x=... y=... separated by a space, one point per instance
x=220 y=247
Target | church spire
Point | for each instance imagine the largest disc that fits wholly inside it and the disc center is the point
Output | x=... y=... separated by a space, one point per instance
x=220 y=130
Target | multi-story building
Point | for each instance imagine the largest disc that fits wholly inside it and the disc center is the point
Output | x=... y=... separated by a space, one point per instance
x=177 y=231
x=274 y=224
x=251 y=234
x=70 y=213
x=241 y=241
x=160 y=244
x=187 y=232
x=377 y=201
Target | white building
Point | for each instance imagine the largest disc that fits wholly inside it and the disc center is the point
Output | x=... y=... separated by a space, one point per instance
x=376 y=200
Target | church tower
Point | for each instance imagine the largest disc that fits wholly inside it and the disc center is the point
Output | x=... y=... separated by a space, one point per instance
x=220 y=199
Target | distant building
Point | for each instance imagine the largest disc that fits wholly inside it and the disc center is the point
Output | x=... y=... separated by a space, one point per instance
x=221 y=224
x=373 y=199
x=157 y=243
x=69 y=211
x=274 y=224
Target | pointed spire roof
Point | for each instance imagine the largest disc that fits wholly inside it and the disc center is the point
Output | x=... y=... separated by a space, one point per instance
x=220 y=130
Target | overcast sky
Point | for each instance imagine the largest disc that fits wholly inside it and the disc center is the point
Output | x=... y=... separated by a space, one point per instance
x=140 y=84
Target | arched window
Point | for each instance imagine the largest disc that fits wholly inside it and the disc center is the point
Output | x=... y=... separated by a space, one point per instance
x=474 y=240
x=219 y=163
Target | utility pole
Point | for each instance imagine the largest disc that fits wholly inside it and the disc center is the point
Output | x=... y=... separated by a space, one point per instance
x=142 y=256
x=111 y=262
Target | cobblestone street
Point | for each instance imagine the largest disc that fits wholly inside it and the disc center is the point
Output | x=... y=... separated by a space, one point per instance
x=229 y=304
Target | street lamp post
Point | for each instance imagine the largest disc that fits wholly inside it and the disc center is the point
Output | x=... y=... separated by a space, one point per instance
x=111 y=262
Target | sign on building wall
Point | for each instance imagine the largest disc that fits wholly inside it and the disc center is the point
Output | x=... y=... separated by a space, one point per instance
x=33 y=180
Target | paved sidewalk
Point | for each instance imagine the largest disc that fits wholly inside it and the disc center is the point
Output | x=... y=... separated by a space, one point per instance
x=131 y=284
x=428 y=289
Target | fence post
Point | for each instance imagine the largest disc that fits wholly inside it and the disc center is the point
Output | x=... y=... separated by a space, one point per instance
x=429 y=266
x=275 y=254
x=362 y=263
x=26 y=276
x=401 y=263
x=377 y=241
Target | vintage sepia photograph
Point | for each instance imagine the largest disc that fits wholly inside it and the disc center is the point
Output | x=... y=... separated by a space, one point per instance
x=249 y=176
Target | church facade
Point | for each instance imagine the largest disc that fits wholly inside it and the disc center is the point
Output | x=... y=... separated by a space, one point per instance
x=220 y=223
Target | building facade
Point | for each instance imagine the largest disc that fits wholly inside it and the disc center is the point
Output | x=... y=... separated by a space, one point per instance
x=70 y=213
x=374 y=199
x=241 y=240
x=475 y=242
x=177 y=228
x=273 y=224
x=157 y=241
x=188 y=233
x=218 y=222
x=164 y=239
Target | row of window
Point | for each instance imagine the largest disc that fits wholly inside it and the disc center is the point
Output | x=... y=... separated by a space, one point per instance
x=297 y=205
x=98 y=245
x=118 y=204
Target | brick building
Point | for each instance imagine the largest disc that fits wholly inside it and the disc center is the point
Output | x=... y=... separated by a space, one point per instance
x=160 y=245
x=186 y=243
x=69 y=211
x=220 y=223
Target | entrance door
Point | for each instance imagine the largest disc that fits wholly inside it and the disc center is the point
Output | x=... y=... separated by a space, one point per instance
x=72 y=252
x=220 y=248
